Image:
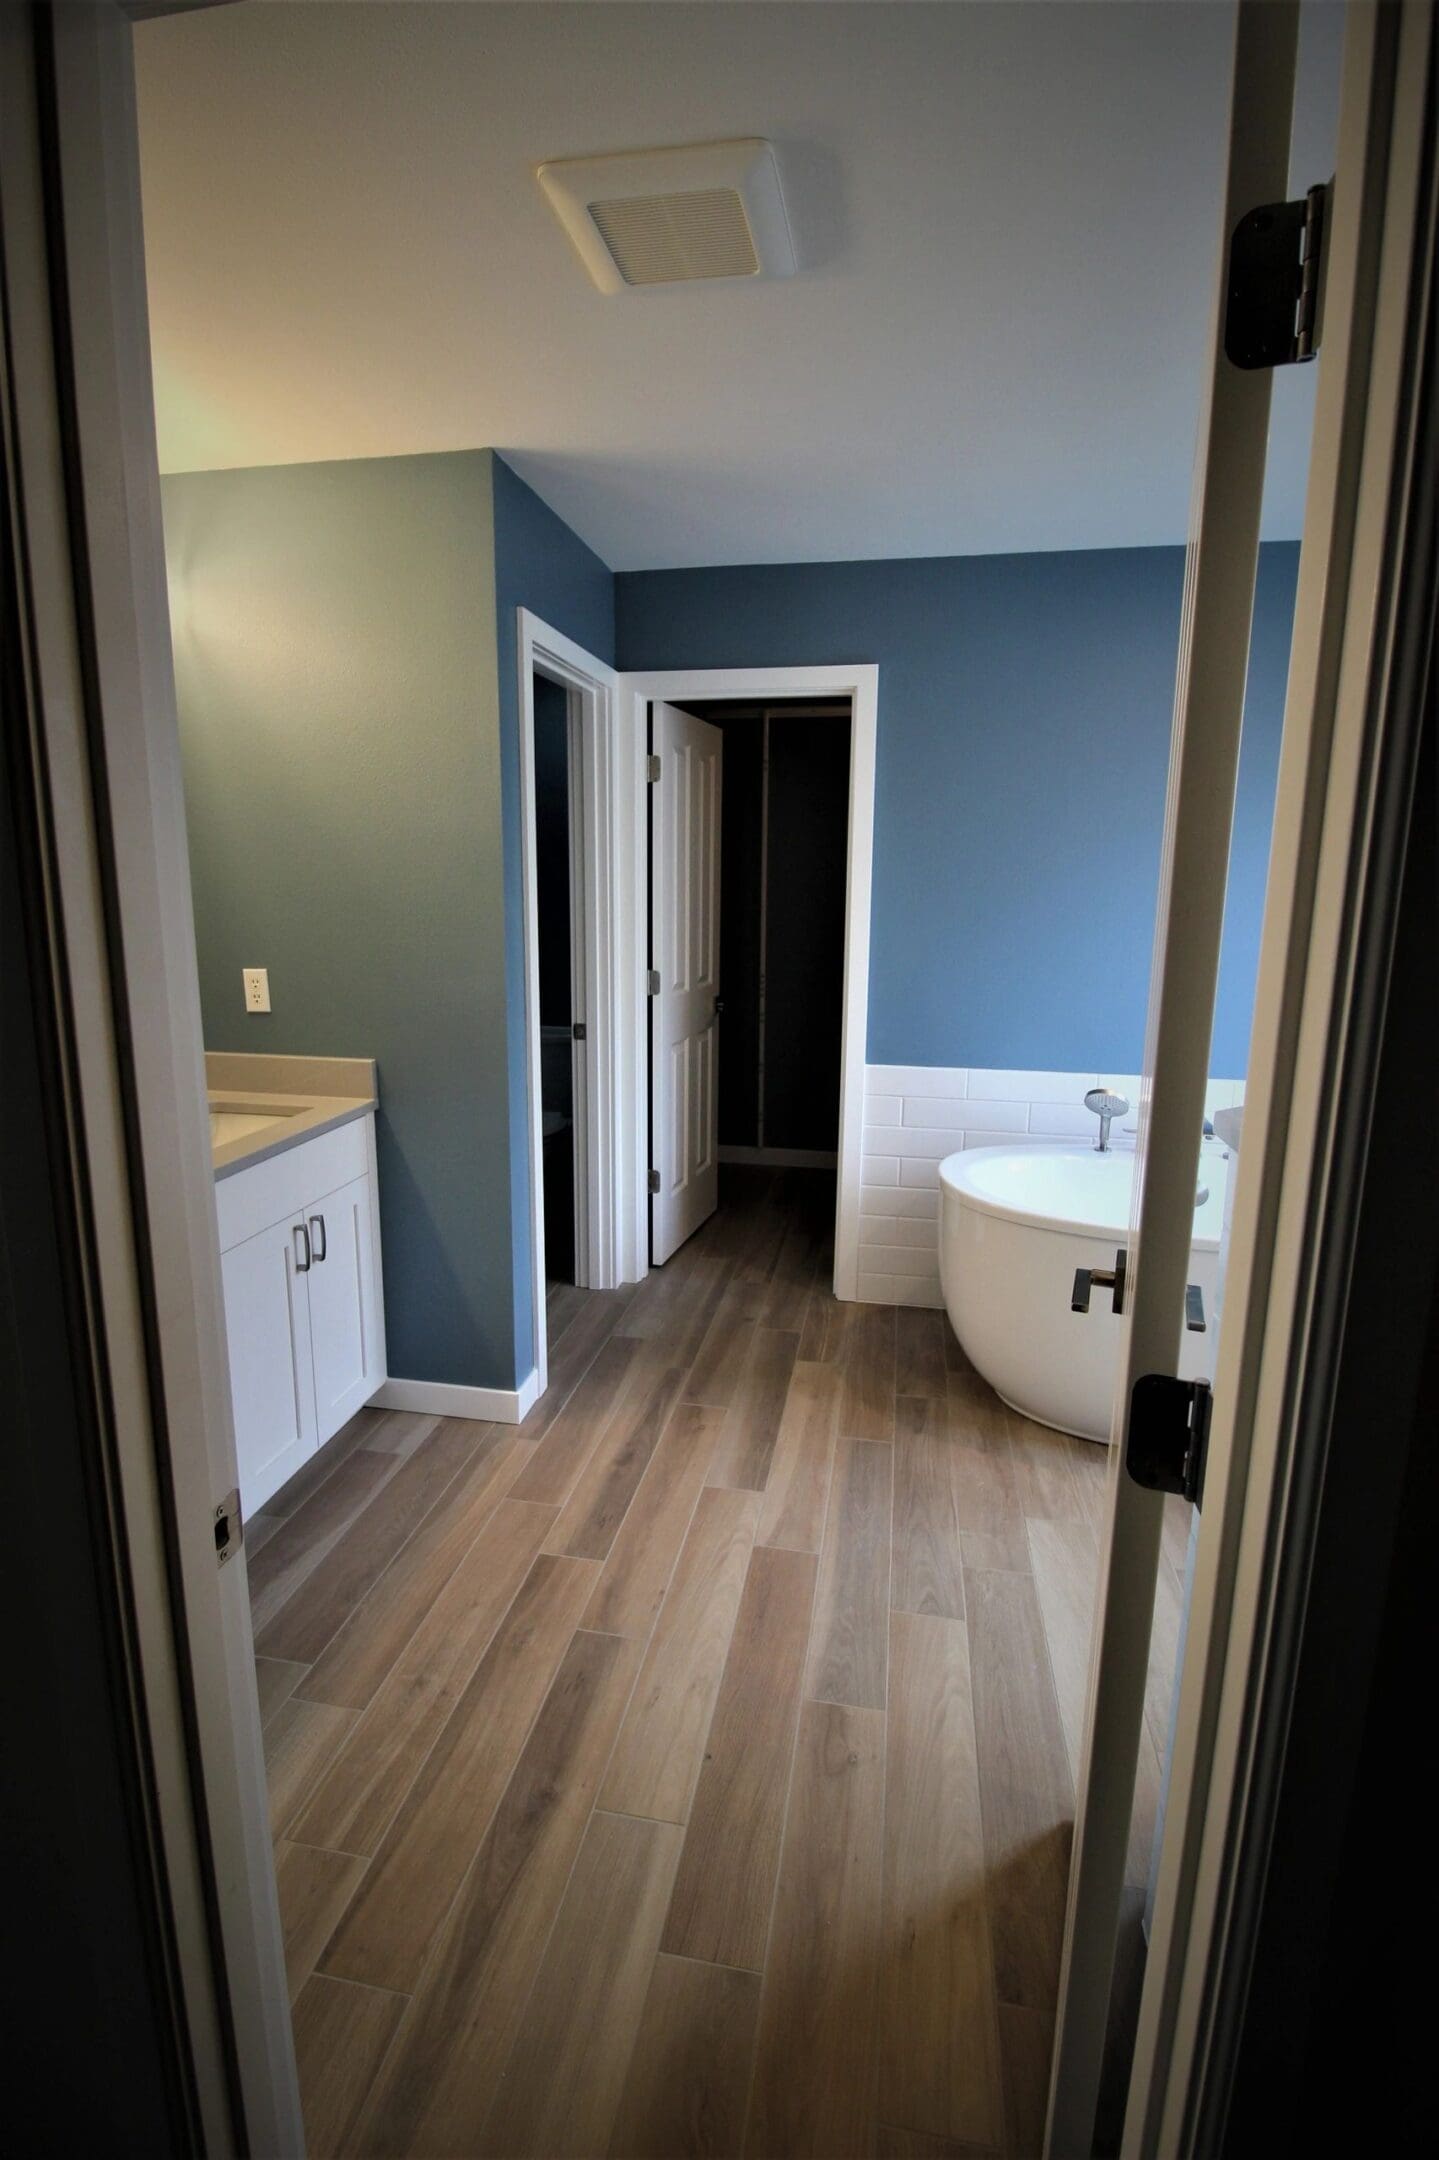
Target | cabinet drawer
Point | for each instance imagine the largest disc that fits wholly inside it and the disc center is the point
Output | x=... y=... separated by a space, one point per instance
x=248 y=1201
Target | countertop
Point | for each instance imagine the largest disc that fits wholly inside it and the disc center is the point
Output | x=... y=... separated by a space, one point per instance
x=261 y=1106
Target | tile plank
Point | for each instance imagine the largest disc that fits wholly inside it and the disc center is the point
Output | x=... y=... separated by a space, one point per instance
x=573 y=1432
x=440 y=2077
x=688 y=2082
x=329 y=1594
x=341 y=2034
x=982 y=1469
x=314 y=1889
x=1026 y=2040
x=573 y=1358
x=367 y=1647
x=1044 y=1480
x=660 y=1749
x=300 y=1543
x=867 y=1408
x=590 y=1520
x=746 y=1445
x=939 y=2036
x=722 y=1357
x=562 y=2085
x=919 y=1349
x=724 y=1890
x=301 y=1740
x=355 y=1803
x=634 y=1579
x=928 y=1568
x=850 y=1640
x=798 y=1489
x=1025 y=1786
x=815 y=2053
x=275 y=1680
x=421 y=1861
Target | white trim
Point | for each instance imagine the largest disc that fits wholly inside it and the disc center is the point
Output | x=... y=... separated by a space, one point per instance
x=437 y=1398
x=781 y=1158
x=1322 y=839
x=860 y=684
x=133 y=993
x=603 y=841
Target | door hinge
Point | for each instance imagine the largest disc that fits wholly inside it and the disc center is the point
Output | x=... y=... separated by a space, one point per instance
x=1167 y=1443
x=229 y=1527
x=652 y=767
x=652 y=982
x=1276 y=265
x=654 y=1181
x=578 y=1031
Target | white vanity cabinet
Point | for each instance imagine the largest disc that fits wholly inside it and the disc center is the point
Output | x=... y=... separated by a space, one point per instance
x=300 y=1261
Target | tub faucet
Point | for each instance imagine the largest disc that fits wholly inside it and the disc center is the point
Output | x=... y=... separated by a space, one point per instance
x=1106 y=1106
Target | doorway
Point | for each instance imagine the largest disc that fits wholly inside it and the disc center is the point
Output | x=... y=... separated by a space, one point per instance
x=559 y=878
x=752 y=1074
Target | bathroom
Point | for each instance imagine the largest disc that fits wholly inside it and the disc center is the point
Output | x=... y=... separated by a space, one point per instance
x=854 y=1430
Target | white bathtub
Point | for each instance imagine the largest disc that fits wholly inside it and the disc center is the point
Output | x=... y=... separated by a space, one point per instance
x=1015 y=1223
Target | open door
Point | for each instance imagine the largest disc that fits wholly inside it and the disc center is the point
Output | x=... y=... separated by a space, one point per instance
x=1161 y=1426
x=684 y=975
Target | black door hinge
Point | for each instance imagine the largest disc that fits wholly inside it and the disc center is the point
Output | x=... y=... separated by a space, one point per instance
x=654 y=1181
x=1167 y=1443
x=652 y=767
x=1276 y=261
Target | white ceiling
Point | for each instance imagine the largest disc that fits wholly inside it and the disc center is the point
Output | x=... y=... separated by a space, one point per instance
x=1007 y=218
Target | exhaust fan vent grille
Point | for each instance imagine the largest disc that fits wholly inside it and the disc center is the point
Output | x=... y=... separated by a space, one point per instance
x=674 y=217
x=665 y=239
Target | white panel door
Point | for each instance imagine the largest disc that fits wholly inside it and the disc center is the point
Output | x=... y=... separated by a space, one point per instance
x=267 y=1320
x=685 y=945
x=341 y=1281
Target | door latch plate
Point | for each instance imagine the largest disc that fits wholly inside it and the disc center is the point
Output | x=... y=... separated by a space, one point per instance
x=229 y=1527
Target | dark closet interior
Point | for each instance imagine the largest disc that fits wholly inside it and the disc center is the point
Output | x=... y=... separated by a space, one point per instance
x=783 y=846
x=553 y=863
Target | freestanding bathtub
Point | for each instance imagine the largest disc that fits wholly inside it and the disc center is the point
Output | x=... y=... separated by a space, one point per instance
x=1014 y=1225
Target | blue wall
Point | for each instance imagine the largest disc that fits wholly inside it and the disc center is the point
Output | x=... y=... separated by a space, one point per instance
x=335 y=672
x=1025 y=704
x=540 y=565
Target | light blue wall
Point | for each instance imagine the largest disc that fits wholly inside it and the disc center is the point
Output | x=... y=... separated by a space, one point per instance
x=540 y=565
x=1025 y=704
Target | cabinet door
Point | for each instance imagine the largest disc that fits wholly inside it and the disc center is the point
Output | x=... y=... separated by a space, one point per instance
x=267 y=1319
x=344 y=1337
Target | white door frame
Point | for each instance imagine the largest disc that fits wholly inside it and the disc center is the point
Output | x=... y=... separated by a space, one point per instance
x=111 y=749
x=1327 y=847
x=860 y=684
x=602 y=847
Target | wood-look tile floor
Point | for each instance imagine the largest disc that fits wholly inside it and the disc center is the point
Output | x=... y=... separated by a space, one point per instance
x=689 y=1770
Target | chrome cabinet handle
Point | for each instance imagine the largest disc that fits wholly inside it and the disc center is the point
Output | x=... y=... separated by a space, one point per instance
x=317 y=1222
x=302 y=1267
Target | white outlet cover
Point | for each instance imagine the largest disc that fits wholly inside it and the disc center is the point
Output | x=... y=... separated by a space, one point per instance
x=257 y=989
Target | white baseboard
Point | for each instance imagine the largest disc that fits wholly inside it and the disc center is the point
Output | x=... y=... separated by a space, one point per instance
x=781 y=1158
x=437 y=1398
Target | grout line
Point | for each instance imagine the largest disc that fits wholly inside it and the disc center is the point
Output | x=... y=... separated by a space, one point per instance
x=365 y=1987
x=341 y=1852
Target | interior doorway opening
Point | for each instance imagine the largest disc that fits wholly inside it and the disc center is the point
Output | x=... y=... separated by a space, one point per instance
x=559 y=879
x=782 y=899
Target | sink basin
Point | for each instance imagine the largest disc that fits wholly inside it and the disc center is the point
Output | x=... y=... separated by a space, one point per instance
x=239 y=1121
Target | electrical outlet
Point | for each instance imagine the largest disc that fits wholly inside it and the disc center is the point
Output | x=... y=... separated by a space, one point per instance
x=257 y=989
